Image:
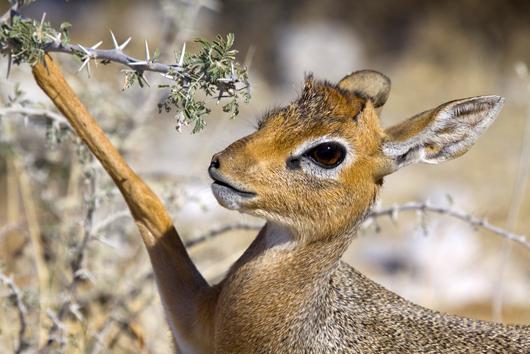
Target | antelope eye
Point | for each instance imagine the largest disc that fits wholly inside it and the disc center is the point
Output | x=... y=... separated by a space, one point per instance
x=327 y=155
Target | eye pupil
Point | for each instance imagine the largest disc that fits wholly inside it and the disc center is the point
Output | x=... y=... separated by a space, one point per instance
x=328 y=155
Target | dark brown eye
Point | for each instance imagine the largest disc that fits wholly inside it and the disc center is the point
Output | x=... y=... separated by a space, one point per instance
x=327 y=155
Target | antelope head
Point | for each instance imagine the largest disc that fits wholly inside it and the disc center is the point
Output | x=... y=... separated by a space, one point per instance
x=317 y=165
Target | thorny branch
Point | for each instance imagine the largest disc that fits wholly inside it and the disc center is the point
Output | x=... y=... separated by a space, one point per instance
x=212 y=70
x=21 y=309
x=425 y=207
x=393 y=213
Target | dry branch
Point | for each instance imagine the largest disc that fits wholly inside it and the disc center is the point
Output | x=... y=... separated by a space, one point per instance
x=391 y=212
x=465 y=217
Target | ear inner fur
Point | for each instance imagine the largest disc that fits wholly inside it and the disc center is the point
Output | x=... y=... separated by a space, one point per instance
x=444 y=133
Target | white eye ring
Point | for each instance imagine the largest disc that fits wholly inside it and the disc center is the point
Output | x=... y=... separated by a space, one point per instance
x=301 y=157
x=327 y=155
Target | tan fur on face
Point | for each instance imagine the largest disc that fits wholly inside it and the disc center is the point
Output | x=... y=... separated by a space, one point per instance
x=309 y=205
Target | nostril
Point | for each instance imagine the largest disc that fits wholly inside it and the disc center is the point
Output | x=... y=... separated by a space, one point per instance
x=215 y=162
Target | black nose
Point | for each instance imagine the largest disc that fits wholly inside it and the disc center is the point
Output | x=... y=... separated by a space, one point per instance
x=215 y=162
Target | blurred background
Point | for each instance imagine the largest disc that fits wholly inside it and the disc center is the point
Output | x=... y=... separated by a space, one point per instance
x=434 y=51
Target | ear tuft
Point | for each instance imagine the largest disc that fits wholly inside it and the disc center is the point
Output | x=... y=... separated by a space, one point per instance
x=308 y=81
x=309 y=85
x=368 y=83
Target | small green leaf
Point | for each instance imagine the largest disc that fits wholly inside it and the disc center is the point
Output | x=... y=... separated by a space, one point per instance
x=156 y=55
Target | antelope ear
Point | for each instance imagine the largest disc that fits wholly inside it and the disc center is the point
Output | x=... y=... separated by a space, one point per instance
x=441 y=134
x=368 y=83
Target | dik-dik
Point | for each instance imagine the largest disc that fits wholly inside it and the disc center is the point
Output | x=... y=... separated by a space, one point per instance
x=313 y=170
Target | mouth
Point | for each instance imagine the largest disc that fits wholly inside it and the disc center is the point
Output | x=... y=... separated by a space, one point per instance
x=223 y=184
x=227 y=193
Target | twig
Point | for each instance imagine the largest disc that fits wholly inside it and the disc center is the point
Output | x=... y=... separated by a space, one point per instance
x=87 y=54
x=112 y=55
x=53 y=337
x=36 y=112
x=125 y=323
x=110 y=219
x=21 y=310
x=391 y=212
x=87 y=233
x=467 y=218
x=212 y=233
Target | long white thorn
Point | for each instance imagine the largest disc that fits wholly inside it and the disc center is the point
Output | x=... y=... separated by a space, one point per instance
x=124 y=44
x=181 y=60
x=85 y=62
x=42 y=21
x=88 y=69
x=147 y=56
x=87 y=53
x=96 y=46
x=116 y=46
